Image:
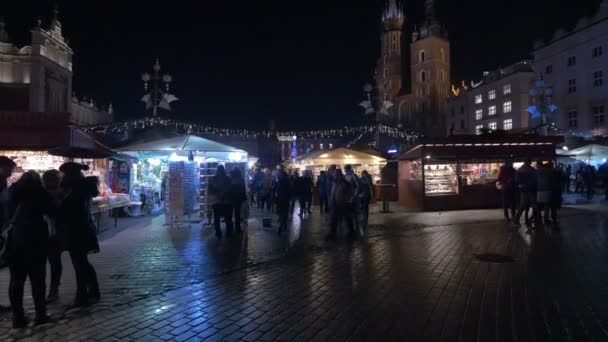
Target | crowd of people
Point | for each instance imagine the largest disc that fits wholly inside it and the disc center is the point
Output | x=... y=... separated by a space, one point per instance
x=342 y=195
x=41 y=217
x=535 y=193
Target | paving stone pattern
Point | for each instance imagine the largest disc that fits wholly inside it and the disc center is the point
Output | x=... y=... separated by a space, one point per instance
x=407 y=280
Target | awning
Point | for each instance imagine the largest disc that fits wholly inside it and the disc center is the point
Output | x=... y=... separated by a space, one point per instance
x=181 y=143
x=339 y=156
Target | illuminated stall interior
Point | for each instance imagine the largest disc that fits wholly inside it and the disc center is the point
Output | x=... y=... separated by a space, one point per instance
x=460 y=172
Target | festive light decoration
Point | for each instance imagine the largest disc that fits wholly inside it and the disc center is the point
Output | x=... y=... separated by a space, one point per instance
x=192 y=128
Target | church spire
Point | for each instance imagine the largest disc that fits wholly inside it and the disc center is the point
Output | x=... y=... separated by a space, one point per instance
x=393 y=17
x=430 y=11
x=4 y=38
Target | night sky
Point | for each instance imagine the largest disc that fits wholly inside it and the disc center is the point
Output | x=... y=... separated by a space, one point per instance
x=240 y=63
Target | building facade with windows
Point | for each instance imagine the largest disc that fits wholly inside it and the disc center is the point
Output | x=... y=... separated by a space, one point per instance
x=38 y=77
x=574 y=63
x=498 y=102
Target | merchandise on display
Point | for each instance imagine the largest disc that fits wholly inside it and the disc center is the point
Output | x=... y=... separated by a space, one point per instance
x=440 y=179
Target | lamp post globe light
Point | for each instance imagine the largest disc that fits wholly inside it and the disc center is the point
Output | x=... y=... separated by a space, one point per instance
x=156 y=97
x=542 y=108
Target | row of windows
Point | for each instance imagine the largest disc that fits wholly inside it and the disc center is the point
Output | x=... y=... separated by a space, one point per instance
x=596 y=52
x=423 y=76
x=507 y=107
x=599 y=117
x=598 y=81
x=422 y=55
x=506 y=90
x=507 y=125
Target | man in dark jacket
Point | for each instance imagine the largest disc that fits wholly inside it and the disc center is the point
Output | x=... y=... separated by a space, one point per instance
x=282 y=197
x=7 y=166
x=506 y=179
x=237 y=194
x=218 y=187
x=525 y=180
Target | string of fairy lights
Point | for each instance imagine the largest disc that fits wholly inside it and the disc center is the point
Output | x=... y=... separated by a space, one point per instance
x=193 y=128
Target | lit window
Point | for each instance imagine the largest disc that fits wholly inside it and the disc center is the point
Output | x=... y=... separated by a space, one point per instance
x=492 y=94
x=478 y=114
x=331 y=146
x=597 y=52
x=571 y=61
x=507 y=124
x=572 y=86
x=321 y=146
x=598 y=115
x=573 y=119
x=507 y=107
x=549 y=69
x=492 y=110
x=478 y=129
x=506 y=89
x=598 y=78
x=478 y=99
x=492 y=125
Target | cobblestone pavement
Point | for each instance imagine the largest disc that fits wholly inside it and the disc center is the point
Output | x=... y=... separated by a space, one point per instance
x=414 y=276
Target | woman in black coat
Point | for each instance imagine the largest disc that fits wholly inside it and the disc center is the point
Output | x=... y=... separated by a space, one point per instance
x=27 y=244
x=80 y=232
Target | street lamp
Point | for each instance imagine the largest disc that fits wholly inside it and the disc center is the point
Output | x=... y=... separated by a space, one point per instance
x=380 y=109
x=157 y=97
x=541 y=107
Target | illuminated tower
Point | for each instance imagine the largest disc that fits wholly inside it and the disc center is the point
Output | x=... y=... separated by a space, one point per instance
x=389 y=67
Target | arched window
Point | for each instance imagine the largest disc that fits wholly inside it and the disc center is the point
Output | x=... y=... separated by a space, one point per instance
x=422 y=56
x=422 y=76
x=442 y=51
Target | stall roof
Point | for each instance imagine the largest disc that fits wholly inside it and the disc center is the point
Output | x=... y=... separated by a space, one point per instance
x=339 y=156
x=585 y=152
x=181 y=143
x=484 y=147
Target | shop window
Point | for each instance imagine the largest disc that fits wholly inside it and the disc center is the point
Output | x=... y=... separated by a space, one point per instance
x=478 y=114
x=506 y=89
x=440 y=180
x=507 y=124
x=492 y=110
x=492 y=94
x=478 y=129
x=573 y=119
x=572 y=86
x=507 y=107
x=479 y=173
x=598 y=78
x=478 y=98
x=493 y=126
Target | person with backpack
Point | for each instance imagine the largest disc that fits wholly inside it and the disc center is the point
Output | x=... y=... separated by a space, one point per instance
x=341 y=201
x=506 y=181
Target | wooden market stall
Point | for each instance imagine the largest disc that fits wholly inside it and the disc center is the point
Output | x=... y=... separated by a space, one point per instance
x=460 y=172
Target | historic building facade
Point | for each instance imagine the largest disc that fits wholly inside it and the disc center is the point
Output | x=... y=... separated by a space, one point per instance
x=574 y=63
x=498 y=102
x=38 y=77
x=420 y=100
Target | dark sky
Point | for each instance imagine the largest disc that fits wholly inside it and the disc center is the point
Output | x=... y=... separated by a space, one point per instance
x=241 y=63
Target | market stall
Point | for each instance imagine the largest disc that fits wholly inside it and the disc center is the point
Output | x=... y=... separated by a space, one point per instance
x=593 y=154
x=460 y=172
x=321 y=160
x=171 y=175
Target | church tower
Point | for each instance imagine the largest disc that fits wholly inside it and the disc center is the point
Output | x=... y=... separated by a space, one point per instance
x=389 y=67
x=430 y=73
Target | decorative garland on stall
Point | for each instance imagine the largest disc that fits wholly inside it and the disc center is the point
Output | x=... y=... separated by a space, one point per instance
x=192 y=128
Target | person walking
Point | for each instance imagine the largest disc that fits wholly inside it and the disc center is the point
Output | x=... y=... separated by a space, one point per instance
x=555 y=201
x=567 y=174
x=51 y=182
x=588 y=180
x=506 y=180
x=218 y=187
x=282 y=197
x=603 y=174
x=237 y=195
x=352 y=179
x=27 y=245
x=364 y=196
x=580 y=179
x=322 y=189
x=80 y=230
x=544 y=186
x=331 y=178
x=341 y=200
x=525 y=180
x=304 y=186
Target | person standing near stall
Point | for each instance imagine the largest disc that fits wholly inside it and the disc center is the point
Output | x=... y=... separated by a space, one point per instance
x=282 y=194
x=525 y=180
x=7 y=167
x=238 y=195
x=322 y=188
x=51 y=180
x=218 y=188
x=506 y=180
x=80 y=230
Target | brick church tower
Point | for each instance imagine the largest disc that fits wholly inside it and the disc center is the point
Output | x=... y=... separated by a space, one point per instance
x=421 y=103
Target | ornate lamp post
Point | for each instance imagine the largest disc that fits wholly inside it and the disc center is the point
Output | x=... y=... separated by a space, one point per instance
x=380 y=109
x=541 y=103
x=158 y=94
